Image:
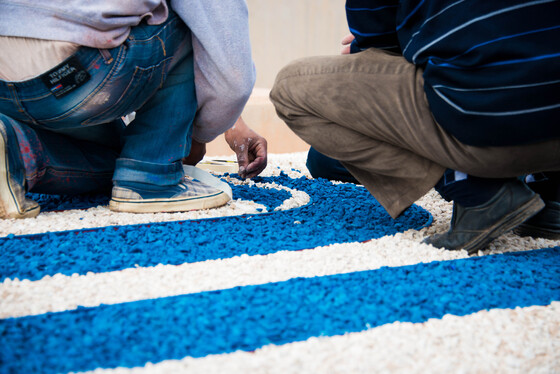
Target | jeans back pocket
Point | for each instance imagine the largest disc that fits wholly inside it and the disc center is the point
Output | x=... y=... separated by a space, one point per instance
x=123 y=99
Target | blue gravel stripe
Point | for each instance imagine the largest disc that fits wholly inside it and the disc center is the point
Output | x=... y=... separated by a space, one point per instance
x=339 y=213
x=246 y=318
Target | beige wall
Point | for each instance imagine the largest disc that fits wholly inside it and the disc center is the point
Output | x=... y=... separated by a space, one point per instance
x=284 y=30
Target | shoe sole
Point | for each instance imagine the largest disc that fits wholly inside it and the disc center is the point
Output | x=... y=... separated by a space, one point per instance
x=536 y=232
x=9 y=205
x=514 y=219
x=169 y=205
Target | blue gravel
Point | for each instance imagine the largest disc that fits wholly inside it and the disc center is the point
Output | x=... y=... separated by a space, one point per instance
x=336 y=214
x=246 y=318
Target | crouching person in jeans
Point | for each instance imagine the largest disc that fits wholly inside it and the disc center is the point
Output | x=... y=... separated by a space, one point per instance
x=69 y=73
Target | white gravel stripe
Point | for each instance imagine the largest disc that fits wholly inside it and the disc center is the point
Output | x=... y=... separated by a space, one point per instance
x=522 y=340
x=23 y=297
x=101 y=216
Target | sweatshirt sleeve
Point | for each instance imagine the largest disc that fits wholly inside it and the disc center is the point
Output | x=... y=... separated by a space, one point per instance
x=224 y=69
x=373 y=23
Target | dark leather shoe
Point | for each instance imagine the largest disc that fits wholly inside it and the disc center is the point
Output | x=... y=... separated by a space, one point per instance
x=545 y=224
x=473 y=228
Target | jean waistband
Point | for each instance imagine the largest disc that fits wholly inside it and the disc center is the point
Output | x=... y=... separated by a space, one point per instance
x=87 y=58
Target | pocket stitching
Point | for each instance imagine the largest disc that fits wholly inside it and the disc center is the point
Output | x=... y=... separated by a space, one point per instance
x=131 y=84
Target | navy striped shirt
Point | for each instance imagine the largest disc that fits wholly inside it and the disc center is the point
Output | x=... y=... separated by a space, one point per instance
x=491 y=67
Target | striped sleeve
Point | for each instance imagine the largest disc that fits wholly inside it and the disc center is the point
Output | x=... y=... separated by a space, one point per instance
x=373 y=23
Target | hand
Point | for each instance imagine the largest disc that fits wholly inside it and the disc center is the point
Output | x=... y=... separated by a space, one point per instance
x=249 y=147
x=346 y=41
x=198 y=150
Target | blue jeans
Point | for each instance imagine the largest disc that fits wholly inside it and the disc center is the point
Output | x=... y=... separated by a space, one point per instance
x=78 y=143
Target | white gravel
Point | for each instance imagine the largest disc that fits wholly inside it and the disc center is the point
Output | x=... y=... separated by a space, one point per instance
x=524 y=340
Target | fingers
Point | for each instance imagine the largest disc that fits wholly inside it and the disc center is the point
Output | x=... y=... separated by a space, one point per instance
x=249 y=147
x=258 y=154
x=242 y=153
x=346 y=41
x=255 y=168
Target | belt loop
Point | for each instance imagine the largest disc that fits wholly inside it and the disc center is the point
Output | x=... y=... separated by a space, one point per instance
x=106 y=56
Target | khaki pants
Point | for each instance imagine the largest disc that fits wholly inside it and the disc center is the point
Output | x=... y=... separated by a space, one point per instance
x=369 y=111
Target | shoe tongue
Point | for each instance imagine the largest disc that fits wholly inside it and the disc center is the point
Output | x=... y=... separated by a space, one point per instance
x=194 y=173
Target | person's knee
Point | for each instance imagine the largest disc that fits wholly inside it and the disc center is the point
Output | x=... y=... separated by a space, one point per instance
x=280 y=90
x=285 y=86
x=8 y=121
x=4 y=118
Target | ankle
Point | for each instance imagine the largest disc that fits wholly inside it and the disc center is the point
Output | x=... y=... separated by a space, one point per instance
x=467 y=190
x=547 y=185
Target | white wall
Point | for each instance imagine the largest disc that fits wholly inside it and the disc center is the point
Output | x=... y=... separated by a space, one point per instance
x=284 y=30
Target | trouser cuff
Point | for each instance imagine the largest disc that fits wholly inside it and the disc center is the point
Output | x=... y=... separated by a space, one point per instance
x=146 y=172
